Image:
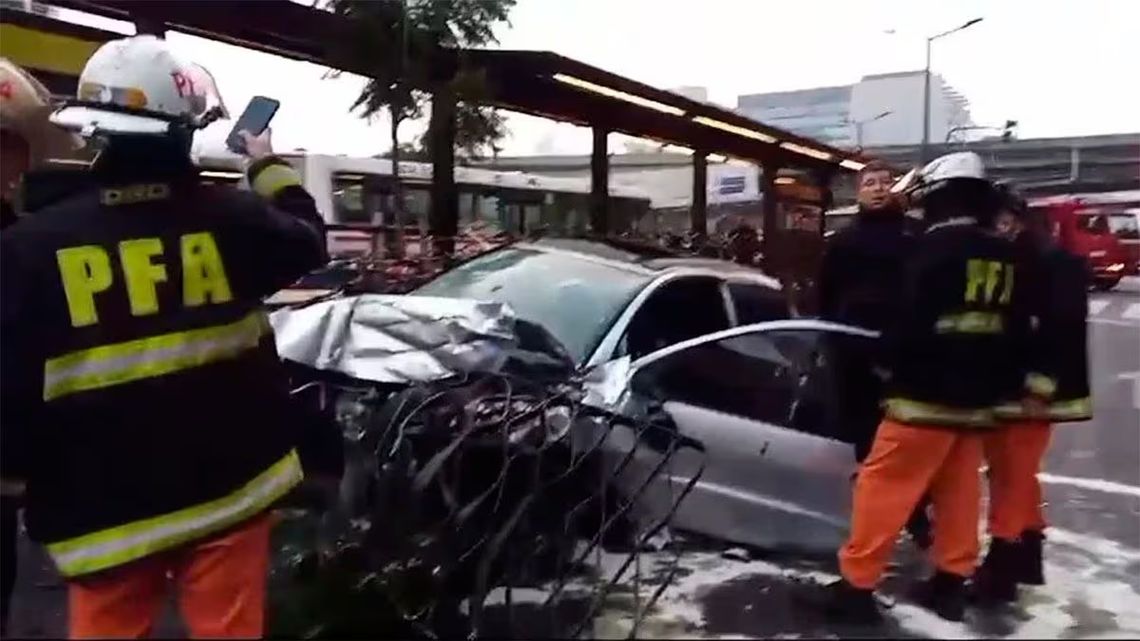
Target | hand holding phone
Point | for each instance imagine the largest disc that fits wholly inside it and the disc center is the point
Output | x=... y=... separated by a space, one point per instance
x=254 y=120
x=258 y=146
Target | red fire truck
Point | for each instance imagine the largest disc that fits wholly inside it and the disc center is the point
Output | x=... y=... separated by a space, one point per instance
x=1085 y=229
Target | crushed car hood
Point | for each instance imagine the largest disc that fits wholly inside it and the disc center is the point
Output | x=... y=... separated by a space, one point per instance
x=397 y=339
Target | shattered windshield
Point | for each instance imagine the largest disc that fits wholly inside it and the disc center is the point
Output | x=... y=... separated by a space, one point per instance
x=575 y=298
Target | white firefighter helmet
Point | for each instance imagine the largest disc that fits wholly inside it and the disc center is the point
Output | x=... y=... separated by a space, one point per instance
x=917 y=184
x=137 y=85
x=25 y=105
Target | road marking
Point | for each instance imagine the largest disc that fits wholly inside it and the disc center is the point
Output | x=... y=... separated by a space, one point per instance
x=1113 y=321
x=1097 y=306
x=1133 y=311
x=1135 y=378
x=1105 y=549
x=1096 y=485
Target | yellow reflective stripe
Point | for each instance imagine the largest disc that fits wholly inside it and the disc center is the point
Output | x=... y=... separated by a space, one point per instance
x=970 y=323
x=273 y=178
x=1040 y=384
x=125 y=543
x=1077 y=409
x=1009 y=410
x=908 y=411
x=110 y=365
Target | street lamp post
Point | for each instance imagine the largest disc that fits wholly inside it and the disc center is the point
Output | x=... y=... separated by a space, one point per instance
x=924 y=149
x=859 y=127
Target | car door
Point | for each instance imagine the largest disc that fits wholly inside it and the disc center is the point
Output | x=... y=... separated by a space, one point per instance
x=762 y=400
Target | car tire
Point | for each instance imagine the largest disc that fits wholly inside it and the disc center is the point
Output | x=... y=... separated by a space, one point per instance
x=1105 y=284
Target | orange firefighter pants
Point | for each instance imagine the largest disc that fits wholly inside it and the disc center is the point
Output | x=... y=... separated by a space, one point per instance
x=1014 y=454
x=221 y=584
x=906 y=462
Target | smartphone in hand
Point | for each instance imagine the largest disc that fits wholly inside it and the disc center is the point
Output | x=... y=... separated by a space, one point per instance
x=254 y=119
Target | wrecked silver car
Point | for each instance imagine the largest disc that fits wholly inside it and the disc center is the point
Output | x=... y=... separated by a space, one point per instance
x=463 y=474
x=709 y=347
x=683 y=387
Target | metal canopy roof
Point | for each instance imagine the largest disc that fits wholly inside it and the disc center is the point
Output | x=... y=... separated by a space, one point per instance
x=540 y=83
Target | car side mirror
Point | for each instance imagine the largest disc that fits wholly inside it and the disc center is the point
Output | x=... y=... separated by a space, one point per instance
x=608 y=380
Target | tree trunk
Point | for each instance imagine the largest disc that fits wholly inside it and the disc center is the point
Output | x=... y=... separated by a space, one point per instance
x=394 y=227
x=443 y=219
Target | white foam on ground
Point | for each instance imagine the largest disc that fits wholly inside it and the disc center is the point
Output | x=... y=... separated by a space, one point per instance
x=1083 y=574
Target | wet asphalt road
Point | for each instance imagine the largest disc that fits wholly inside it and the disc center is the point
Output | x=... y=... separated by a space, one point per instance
x=1092 y=471
x=1092 y=485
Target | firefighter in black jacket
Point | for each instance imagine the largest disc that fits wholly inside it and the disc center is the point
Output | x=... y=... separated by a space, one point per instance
x=26 y=141
x=1015 y=452
x=144 y=403
x=952 y=350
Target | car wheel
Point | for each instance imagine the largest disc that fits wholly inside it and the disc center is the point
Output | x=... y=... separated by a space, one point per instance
x=1105 y=284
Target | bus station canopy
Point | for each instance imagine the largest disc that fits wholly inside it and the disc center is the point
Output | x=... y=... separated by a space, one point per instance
x=539 y=83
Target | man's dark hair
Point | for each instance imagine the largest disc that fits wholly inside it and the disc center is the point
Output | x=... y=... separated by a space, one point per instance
x=875 y=166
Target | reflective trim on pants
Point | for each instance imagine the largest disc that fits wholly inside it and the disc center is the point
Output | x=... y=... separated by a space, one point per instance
x=110 y=365
x=125 y=543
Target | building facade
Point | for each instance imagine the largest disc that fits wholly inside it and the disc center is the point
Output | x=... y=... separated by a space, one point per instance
x=881 y=109
x=1038 y=167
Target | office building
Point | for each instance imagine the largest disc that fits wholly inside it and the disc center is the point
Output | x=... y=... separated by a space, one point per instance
x=881 y=109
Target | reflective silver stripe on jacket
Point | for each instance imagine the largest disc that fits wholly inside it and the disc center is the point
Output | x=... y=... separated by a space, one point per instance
x=109 y=365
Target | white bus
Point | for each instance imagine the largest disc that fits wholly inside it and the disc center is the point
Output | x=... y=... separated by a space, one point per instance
x=353 y=195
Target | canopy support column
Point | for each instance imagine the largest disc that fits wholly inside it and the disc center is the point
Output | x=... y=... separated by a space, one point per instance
x=599 y=183
x=698 y=212
x=769 y=201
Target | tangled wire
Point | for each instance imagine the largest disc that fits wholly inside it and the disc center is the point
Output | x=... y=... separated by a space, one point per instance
x=461 y=492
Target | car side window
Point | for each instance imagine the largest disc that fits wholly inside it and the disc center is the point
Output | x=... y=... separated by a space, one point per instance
x=778 y=377
x=679 y=310
x=757 y=303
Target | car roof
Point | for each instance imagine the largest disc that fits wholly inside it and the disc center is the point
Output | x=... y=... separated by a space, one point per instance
x=643 y=257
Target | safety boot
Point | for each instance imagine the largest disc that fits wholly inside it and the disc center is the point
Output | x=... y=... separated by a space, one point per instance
x=845 y=603
x=943 y=594
x=1030 y=558
x=995 y=582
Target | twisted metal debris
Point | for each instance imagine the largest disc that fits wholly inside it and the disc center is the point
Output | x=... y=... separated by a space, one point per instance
x=461 y=494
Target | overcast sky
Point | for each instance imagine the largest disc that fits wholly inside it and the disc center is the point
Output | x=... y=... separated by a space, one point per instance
x=1059 y=67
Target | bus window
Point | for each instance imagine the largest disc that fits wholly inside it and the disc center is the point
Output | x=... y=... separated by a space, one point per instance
x=363 y=201
x=348 y=202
